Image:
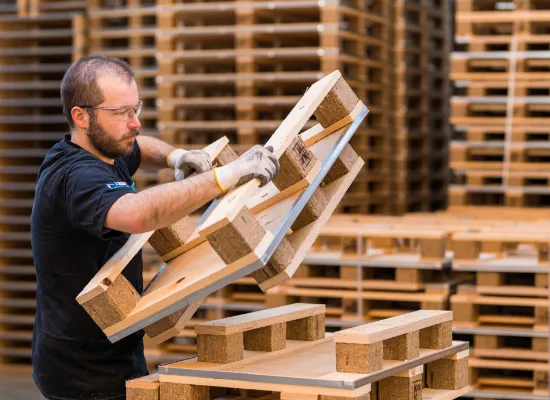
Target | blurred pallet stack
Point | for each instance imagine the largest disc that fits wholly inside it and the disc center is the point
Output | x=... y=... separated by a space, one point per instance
x=34 y=54
x=500 y=153
x=366 y=268
x=421 y=51
x=490 y=266
x=237 y=68
x=126 y=29
x=503 y=308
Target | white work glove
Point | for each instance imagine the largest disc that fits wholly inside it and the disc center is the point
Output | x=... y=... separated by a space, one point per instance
x=186 y=162
x=258 y=162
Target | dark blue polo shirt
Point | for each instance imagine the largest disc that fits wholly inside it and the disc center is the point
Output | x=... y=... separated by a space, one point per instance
x=71 y=356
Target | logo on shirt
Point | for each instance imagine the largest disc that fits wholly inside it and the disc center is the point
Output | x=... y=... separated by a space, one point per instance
x=120 y=185
x=117 y=185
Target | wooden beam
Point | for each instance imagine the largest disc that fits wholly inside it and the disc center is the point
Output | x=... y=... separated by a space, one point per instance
x=145 y=388
x=259 y=319
x=392 y=327
x=224 y=213
x=169 y=242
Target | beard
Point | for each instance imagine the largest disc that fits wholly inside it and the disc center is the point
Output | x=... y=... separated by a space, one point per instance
x=109 y=147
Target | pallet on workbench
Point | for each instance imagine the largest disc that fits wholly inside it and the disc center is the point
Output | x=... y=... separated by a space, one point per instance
x=286 y=351
x=243 y=232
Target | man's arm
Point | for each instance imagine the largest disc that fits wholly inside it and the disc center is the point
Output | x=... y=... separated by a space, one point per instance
x=153 y=151
x=163 y=205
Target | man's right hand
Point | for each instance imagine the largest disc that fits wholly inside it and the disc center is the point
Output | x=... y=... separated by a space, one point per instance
x=258 y=162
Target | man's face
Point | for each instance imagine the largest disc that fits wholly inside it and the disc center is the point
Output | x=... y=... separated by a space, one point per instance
x=113 y=133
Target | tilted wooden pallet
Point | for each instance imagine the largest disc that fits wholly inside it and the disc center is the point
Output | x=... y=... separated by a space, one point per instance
x=265 y=231
x=286 y=351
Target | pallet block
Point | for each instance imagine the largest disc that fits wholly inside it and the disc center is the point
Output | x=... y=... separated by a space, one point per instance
x=145 y=388
x=224 y=341
x=363 y=349
x=307 y=370
x=249 y=230
x=109 y=298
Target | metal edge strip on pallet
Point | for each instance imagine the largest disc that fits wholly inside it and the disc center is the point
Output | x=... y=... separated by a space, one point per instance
x=318 y=382
x=278 y=236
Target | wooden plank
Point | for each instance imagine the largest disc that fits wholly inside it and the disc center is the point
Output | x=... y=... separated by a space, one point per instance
x=303 y=239
x=259 y=319
x=231 y=203
x=101 y=282
x=391 y=327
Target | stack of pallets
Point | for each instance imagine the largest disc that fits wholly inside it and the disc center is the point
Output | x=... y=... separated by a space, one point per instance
x=421 y=95
x=34 y=54
x=500 y=152
x=126 y=29
x=493 y=264
x=237 y=68
x=284 y=353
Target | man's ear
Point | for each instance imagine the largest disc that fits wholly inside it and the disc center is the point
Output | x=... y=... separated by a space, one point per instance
x=80 y=118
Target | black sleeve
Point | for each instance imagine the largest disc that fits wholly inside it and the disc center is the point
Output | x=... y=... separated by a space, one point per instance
x=133 y=159
x=90 y=190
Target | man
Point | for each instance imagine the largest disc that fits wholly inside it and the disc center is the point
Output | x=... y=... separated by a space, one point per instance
x=84 y=210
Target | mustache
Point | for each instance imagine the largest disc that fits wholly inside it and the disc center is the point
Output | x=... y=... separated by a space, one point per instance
x=133 y=132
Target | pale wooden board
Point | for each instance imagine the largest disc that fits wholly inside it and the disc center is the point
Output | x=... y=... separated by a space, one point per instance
x=146 y=382
x=392 y=327
x=503 y=237
x=186 y=275
x=114 y=267
x=116 y=264
x=232 y=202
x=259 y=319
x=304 y=238
x=313 y=365
x=269 y=196
x=440 y=394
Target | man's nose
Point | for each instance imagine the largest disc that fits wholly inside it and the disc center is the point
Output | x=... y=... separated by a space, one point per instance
x=133 y=122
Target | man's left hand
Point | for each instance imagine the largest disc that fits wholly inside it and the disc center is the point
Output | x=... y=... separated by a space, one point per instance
x=186 y=162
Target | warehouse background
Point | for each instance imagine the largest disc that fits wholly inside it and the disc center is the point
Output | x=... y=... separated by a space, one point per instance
x=458 y=103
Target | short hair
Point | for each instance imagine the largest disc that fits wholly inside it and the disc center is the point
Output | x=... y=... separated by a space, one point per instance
x=79 y=85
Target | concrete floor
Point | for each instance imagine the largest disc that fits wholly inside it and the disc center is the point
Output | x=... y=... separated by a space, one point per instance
x=17 y=384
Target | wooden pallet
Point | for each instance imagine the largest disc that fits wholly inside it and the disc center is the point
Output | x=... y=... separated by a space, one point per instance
x=237 y=68
x=34 y=54
x=361 y=306
x=504 y=347
x=473 y=310
x=127 y=31
x=512 y=377
x=208 y=245
x=282 y=348
x=421 y=44
x=336 y=276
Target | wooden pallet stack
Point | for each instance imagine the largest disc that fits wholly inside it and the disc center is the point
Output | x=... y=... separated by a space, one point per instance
x=34 y=54
x=126 y=29
x=369 y=268
x=492 y=261
x=503 y=310
x=421 y=94
x=284 y=353
x=237 y=68
x=500 y=153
